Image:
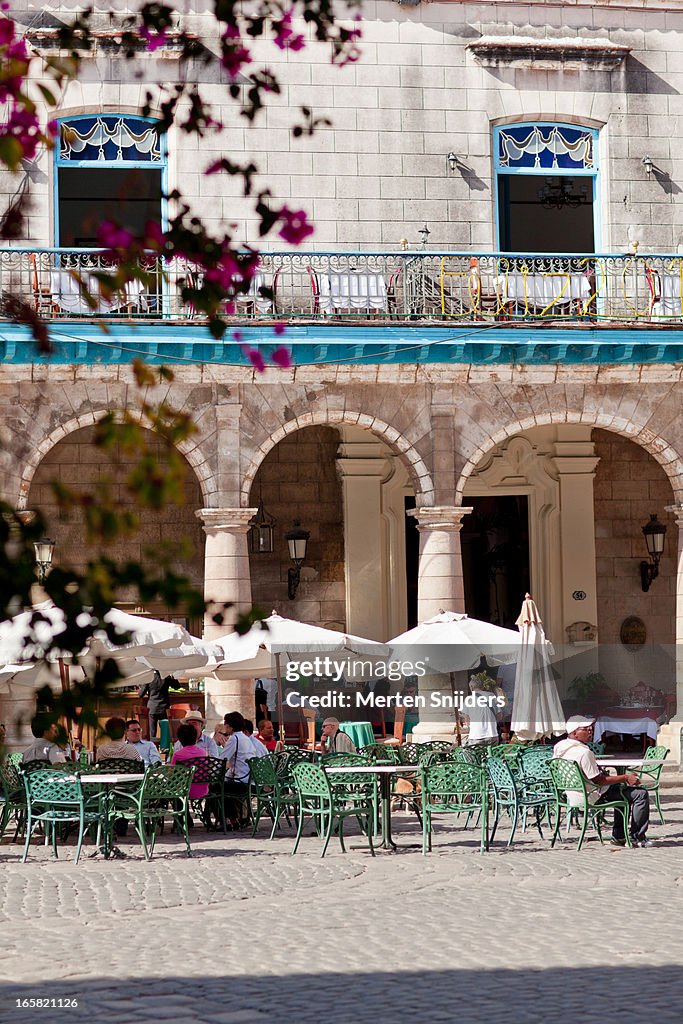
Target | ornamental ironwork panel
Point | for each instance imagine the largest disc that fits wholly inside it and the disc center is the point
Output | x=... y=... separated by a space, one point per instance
x=109 y=138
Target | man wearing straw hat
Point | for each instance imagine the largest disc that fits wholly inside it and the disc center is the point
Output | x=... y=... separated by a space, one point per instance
x=196 y=718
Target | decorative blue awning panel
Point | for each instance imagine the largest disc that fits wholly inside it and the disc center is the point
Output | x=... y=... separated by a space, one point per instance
x=546 y=147
x=330 y=345
x=109 y=138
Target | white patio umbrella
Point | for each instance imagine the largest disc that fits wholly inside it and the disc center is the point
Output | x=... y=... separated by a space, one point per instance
x=537 y=709
x=453 y=642
x=259 y=651
x=193 y=655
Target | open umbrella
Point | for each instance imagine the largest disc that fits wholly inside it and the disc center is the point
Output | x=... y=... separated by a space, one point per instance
x=259 y=651
x=537 y=709
x=453 y=642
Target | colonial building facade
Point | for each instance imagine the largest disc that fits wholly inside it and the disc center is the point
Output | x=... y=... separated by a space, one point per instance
x=486 y=388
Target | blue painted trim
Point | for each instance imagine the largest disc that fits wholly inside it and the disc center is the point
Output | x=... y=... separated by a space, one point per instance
x=548 y=172
x=191 y=344
x=146 y=165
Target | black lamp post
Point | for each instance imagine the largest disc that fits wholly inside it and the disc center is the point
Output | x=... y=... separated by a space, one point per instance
x=297 y=540
x=654 y=533
x=44 y=550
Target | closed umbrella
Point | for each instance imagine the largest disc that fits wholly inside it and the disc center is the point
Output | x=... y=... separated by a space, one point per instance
x=537 y=709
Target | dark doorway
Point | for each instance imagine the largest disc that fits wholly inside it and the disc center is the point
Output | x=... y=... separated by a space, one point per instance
x=538 y=214
x=412 y=562
x=495 y=556
x=88 y=196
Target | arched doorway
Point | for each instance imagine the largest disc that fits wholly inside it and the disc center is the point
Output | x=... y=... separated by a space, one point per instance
x=77 y=462
x=349 y=490
x=582 y=496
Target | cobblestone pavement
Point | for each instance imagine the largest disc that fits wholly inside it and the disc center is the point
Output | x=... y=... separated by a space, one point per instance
x=244 y=933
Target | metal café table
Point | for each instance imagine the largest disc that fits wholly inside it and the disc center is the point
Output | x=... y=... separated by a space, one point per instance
x=385 y=771
x=109 y=781
x=624 y=761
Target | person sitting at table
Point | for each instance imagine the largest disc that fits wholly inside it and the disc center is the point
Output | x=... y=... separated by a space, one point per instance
x=483 y=726
x=115 y=729
x=236 y=752
x=260 y=750
x=601 y=786
x=44 y=747
x=145 y=748
x=197 y=720
x=189 y=749
x=333 y=740
x=220 y=736
x=266 y=734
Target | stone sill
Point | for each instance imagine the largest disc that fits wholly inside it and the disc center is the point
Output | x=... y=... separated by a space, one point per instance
x=549 y=54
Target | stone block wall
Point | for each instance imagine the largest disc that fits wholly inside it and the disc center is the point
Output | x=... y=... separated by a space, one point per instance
x=298 y=480
x=381 y=170
x=629 y=486
x=78 y=463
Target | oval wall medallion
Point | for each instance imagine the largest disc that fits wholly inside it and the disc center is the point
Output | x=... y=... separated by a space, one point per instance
x=633 y=633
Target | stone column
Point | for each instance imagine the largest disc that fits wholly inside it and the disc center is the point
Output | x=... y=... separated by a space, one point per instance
x=363 y=468
x=671 y=734
x=440 y=587
x=575 y=461
x=440 y=577
x=226 y=579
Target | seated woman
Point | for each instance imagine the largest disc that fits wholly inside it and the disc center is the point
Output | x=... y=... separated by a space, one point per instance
x=187 y=737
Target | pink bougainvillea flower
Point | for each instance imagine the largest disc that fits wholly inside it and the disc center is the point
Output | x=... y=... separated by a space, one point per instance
x=154 y=38
x=279 y=329
x=234 y=55
x=255 y=358
x=6 y=31
x=281 y=357
x=154 y=236
x=114 y=237
x=52 y=128
x=295 y=227
x=285 y=37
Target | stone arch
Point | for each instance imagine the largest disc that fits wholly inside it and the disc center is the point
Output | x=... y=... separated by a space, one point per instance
x=419 y=475
x=656 y=446
x=190 y=451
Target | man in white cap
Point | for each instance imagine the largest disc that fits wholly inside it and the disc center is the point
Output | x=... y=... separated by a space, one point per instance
x=601 y=786
x=208 y=743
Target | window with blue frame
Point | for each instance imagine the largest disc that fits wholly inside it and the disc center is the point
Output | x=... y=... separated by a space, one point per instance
x=547 y=187
x=107 y=167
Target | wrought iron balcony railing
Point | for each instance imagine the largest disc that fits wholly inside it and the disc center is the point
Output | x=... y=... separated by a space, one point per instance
x=361 y=286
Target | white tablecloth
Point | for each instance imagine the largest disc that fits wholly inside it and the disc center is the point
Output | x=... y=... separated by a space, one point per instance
x=632 y=726
x=253 y=296
x=541 y=290
x=352 y=290
x=67 y=294
x=668 y=300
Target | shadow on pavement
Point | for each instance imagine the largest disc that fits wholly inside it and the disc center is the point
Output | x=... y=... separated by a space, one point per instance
x=628 y=994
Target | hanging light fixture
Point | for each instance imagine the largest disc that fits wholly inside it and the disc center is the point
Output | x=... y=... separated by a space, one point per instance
x=261 y=531
x=558 y=193
x=654 y=533
x=44 y=550
x=297 y=540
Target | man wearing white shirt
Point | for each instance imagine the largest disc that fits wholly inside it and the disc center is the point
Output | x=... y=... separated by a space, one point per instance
x=260 y=749
x=145 y=748
x=236 y=753
x=196 y=718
